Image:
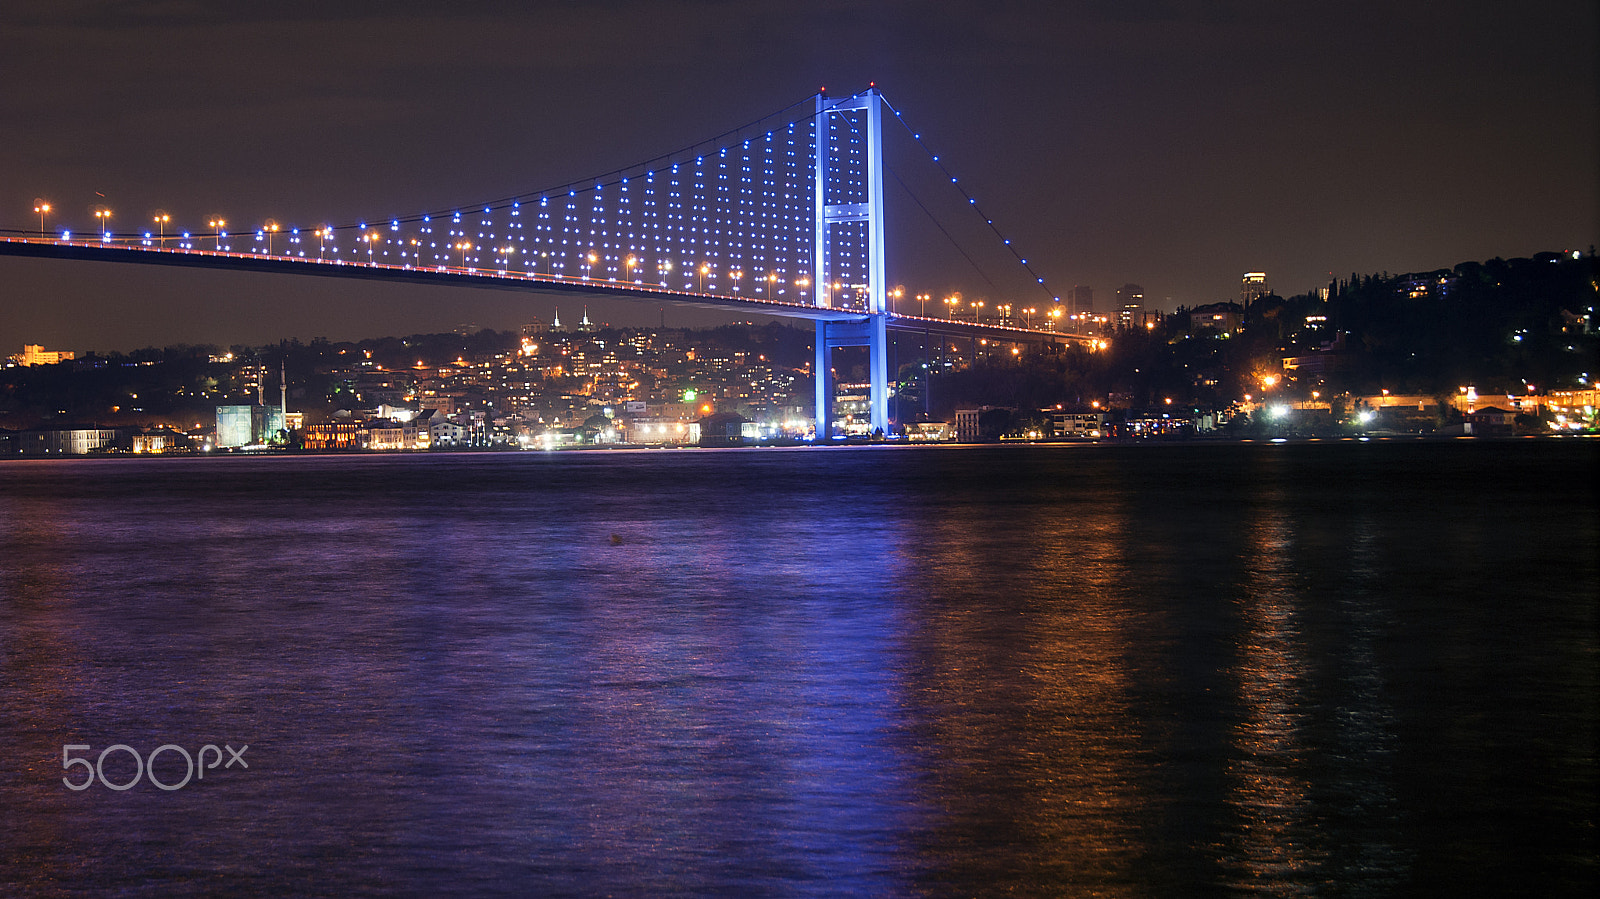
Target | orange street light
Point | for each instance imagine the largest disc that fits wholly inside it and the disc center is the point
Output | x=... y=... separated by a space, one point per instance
x=41 y=207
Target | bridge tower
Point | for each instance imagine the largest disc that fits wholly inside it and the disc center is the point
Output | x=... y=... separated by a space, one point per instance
x=870 y=329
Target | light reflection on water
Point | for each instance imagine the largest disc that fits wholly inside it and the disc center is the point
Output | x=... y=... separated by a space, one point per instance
x=1122 y=671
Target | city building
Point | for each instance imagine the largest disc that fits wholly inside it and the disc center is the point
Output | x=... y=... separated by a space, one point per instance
x=1077 y=425
x=966 y=427
x=1080 y=300
x=34 y=354
x=161 y=440
x=723 y=429
x=335 y=435
x=252 y=425
x=1252 y=288
x=1223 y=318
x=928 y=431
x=65 y=441
x=1130 y=306
x=444 y=432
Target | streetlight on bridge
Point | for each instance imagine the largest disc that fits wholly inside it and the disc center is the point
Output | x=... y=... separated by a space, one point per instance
x=104 y=215
x=161 y=218
x=217 y=224
x=41 y=207
x=269 y=228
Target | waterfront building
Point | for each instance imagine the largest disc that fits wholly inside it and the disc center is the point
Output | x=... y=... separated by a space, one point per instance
x=444 y=432
x=65 y=441
x=160 y=440
x=251 y=425
x=929 y=431
x=723 y=429
x=335 y=435
x=966 y=425
x=1077 y=425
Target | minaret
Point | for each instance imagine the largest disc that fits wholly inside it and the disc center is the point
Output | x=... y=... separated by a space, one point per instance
x=555 y=324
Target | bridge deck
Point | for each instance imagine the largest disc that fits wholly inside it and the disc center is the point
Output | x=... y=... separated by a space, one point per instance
x=500 y=279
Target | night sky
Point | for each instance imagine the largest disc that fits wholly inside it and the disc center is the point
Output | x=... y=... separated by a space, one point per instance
x=1172 y=144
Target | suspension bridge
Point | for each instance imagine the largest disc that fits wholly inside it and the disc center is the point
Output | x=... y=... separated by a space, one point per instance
x=783 y=216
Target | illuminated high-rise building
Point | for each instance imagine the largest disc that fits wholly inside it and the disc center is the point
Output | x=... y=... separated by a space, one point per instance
x=1253 y=288
x=1081 y=300
x=1130 y=305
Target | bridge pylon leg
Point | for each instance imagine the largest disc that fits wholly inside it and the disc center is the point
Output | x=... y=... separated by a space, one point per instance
x=870 y=331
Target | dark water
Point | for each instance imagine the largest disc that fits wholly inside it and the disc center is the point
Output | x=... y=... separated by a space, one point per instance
x=1328 y=669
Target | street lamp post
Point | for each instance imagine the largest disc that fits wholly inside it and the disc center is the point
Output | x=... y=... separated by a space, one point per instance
x=161 y=219
x=705 y=269
x=104 y=215
x=734 y=276
x=41 y=207
x=269 y=227
x=630 y=263
x=217 y=225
